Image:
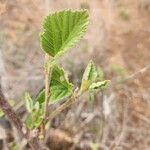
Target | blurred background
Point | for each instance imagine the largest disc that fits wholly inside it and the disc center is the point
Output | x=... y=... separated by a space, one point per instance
x=117 y=40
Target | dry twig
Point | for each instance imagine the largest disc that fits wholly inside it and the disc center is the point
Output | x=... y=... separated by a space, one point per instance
x=16 y=121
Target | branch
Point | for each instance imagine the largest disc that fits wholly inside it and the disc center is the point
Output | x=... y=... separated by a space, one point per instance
x=61 y=108
x=73 y=99
x=136 y=74
x=132 y=76
x=16 y=121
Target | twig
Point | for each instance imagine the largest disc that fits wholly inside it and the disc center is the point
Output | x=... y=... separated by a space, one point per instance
x=138 y=131
x=142 y=117
x=61 y=108
x=48 y=71
x=15 y=120
x=136 y=74
x=73 y=99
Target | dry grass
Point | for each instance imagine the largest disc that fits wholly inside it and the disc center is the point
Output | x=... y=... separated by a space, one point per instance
x=118 y=35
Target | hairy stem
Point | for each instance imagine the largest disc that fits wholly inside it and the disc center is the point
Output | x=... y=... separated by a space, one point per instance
x=48 y=72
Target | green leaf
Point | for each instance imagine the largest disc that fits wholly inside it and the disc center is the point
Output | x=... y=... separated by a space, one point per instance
x=38 y=118
x=35 y=118
x=38 y=122
x=1 y=113
x=62 y=30
x=29 y=122
x=99 y=85
x=37 y=106
x=90 y=75
x=60 y=87
x=29 y=102
x=100 y=74
x=41 y=97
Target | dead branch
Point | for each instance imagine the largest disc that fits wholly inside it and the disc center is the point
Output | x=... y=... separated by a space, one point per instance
x=137 y=74
x=16 y=121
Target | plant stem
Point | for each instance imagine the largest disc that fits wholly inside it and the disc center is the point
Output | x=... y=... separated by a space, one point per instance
x=69 y=102
x=60 y=109
x=48 y=71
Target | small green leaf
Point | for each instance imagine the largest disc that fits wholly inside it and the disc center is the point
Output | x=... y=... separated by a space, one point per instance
x=100 y=74
x=29 y=122
x=90 y=75
x=37 y=106
x=60 y=87
x=41 y=97
x=29 y=102
x=39 y=118
x=94 y=146
x=35 y=118
x=62 y=30
x=38 y=122
x=99 y=85
x=1 y=113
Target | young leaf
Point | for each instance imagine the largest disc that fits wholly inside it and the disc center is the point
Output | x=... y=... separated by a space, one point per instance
x=37 y=106
x=29 y=122
x=100 y=74
x=60 y=87
x=38 y=118
x=99 y=85
x=41 y=97
x=62 y=30
x=1 y=113
x=90 y=75
x=29 y=102
x=35 y=118
x=38 y=122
